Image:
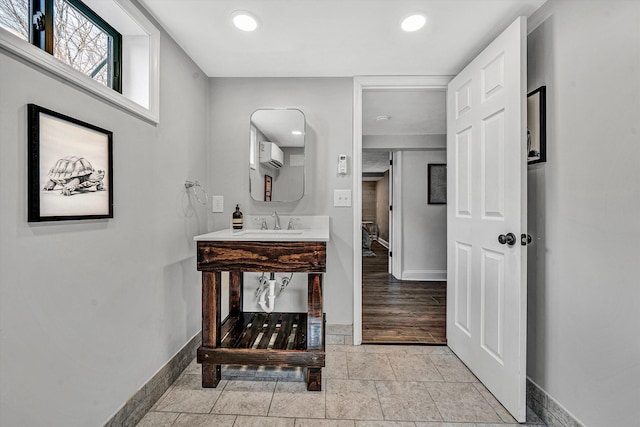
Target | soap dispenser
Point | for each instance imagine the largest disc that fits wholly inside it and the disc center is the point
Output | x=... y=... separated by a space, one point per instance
x=237 y=219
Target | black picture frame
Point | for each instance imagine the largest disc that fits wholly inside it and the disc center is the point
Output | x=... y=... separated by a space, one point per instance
x=267 y=187
x=537 y=126
x=436 y=184
x=70 y=168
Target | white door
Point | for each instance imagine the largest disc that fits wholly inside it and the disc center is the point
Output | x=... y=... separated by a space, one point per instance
x=395 y=180
x=486 y=288
x=390 y=225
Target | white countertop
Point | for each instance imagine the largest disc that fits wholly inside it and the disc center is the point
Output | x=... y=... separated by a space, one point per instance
x=307 y=229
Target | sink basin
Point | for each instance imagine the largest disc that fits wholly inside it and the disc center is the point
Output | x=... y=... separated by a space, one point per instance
x=308 y=229
x=268 y=232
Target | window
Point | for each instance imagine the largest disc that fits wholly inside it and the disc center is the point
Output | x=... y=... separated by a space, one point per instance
x=135 y=56
x=252 y=148
x=13 y=17
x=87 y=43
x=71 y=32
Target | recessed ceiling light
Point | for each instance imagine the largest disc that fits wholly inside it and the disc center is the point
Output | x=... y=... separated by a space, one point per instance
x=296 y=132
x=383 y=118
x=244 y=20
x=413 y=22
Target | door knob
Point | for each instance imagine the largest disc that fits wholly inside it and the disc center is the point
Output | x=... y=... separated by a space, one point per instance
x=509 y=239
x=525 y=239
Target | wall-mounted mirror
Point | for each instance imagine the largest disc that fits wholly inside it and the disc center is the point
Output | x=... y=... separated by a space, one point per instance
x=276 y=155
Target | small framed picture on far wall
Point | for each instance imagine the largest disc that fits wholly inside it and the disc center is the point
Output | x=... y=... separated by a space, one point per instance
x=267 y=188
x=436 y=184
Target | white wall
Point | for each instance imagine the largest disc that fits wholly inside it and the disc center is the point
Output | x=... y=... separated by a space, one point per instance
x=290 y=182
x=584 y=265
x=424 y=226
x=135 y=56
x=90 y=310
x=327 y=105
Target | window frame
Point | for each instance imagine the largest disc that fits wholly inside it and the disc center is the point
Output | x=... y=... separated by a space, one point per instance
x=148 y=109
x=44 y=39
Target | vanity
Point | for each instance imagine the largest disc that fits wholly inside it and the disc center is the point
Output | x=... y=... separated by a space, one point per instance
x=260 y=338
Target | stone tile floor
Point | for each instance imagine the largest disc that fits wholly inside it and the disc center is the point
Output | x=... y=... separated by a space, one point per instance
x=363 y=386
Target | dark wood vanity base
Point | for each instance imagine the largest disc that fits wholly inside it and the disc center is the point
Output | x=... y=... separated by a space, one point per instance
x=257 y=338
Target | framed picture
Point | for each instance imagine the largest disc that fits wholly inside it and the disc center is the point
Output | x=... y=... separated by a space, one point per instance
x=436 y=184
x=537 y=126
x=267 y=188
x=70 y=168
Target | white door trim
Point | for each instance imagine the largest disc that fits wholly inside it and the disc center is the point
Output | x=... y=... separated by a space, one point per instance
x=360 y=84
x=390 y=222
x=396 y=202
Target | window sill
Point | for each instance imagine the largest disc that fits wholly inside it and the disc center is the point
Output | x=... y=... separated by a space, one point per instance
x=18 y=47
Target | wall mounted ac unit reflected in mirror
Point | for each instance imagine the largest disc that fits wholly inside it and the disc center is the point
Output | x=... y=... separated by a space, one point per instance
x=271 y=155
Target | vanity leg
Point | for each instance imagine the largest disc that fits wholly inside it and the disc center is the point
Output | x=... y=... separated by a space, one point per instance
x=211 y=375
x=210 y=324
x=235 y=293
x=315 y=328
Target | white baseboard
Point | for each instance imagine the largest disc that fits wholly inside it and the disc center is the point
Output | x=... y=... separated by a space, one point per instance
x=425 y=275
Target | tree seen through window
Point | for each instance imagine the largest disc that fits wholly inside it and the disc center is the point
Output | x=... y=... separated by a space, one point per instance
x=80 y=38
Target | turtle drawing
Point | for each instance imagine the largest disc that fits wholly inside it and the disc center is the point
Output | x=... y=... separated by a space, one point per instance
x=73 y=173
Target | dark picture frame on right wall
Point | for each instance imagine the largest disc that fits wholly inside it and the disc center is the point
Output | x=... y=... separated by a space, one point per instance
x=537 y=126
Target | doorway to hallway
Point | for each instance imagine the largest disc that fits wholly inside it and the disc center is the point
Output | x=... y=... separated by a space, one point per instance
x=400 y=311
x=403 y=295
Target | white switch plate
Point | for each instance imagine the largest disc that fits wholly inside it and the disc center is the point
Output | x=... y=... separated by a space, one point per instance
x=341 y=197
x=217 y=204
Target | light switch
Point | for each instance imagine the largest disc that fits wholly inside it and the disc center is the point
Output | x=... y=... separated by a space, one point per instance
x=217 y=204
x=342 y=198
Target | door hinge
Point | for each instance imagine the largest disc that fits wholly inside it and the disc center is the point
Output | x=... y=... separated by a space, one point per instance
x=391 y=254
x=390 y=162
x=390 y=207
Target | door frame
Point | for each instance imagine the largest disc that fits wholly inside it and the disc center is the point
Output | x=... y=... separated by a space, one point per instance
x=395 y=242
x=359 y=85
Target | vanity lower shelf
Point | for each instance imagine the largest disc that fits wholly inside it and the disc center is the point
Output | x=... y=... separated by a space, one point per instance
x=256 y=338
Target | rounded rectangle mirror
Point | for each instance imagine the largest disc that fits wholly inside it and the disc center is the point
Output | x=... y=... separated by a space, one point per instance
x=276 y=155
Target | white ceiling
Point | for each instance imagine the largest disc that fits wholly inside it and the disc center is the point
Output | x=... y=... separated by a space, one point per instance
x=278 y=125
x=409 y=112
x=335 y=37
x=375 y=162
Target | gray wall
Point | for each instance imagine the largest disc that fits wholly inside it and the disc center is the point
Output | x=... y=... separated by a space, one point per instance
x=584 y=266
x=424 y=226
x=327 y=105
x=91 y=310
x=290 y=182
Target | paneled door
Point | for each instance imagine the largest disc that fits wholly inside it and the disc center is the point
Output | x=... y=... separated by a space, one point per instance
x=486 y=215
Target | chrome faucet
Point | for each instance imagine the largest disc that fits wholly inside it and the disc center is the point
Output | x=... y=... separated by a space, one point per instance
x=291 y=221
x=276 y=225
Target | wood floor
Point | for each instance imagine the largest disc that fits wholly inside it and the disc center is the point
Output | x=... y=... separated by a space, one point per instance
x=396 y=311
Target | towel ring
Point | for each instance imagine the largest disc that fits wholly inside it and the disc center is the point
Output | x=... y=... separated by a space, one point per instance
x=193 y=185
